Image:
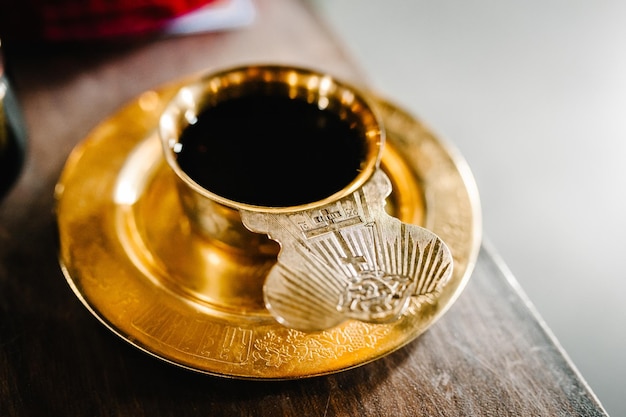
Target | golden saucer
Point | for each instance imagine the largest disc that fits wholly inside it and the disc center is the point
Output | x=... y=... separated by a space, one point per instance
x=121 y=239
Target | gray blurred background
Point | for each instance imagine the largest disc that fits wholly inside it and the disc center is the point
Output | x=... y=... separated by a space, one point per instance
x=533 y=94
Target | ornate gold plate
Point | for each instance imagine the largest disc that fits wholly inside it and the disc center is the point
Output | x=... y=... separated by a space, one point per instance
x=123 y=238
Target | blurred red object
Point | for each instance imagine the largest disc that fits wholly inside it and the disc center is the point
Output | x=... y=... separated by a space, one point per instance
x=87 y=20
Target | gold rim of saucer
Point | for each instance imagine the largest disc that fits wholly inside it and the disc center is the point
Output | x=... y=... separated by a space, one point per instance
x=117 y=216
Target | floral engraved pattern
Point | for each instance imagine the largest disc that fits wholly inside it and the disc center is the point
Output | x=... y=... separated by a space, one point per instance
x=275 y=349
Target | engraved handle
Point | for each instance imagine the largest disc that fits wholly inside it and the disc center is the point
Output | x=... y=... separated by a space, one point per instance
x=349 y=260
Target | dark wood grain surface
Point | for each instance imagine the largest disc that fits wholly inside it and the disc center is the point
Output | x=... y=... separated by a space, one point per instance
x=490 y=355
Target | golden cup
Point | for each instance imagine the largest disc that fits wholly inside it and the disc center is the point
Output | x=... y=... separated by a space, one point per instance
x=268 y=153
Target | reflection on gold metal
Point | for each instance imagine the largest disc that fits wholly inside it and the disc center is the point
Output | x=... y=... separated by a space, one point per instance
x=131 y=256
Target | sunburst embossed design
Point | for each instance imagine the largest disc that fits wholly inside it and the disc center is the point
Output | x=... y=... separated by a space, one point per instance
x=349 y=260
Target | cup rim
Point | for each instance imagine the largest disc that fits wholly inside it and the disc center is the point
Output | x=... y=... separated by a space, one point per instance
x=190 y=99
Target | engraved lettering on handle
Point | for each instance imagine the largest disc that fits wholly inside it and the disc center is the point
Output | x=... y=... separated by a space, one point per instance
x=349 y=260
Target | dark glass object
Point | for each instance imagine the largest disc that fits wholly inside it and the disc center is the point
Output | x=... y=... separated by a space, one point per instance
x=12 y=134
x=271 y=150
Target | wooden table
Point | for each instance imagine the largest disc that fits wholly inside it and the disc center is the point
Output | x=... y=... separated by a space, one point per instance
x=491 y=354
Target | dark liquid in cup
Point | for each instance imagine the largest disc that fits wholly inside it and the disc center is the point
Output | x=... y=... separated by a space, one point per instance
x=271 y=150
